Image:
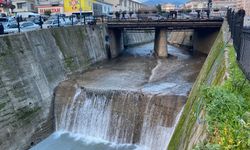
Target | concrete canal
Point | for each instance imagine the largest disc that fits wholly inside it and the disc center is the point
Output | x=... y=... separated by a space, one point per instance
x=132 y=102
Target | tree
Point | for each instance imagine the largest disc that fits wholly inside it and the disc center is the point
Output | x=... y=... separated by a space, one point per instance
x=158 y=7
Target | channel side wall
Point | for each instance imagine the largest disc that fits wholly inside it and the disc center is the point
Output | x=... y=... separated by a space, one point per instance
x=32 y=64
x=191 y=128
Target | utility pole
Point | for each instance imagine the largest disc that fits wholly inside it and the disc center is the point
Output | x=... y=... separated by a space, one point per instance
x=80 y=9
x=209 y=6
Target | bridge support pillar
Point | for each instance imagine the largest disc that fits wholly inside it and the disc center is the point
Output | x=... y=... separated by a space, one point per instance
x=160 y=44
x=116 y=42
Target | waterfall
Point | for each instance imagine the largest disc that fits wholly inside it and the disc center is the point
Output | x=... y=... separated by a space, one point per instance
x=121 y=117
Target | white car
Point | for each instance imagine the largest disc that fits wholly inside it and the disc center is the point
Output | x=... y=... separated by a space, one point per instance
x=53 y=23
x=11 y=28
x=24 y=27
x=28 y=26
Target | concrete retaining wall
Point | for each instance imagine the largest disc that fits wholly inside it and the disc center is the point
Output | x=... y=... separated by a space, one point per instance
x=181 y=38
x=32 y=64
x=191 y=128
x=132 y=38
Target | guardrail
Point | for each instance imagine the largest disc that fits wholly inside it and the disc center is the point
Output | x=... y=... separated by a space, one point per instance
x=241 y=39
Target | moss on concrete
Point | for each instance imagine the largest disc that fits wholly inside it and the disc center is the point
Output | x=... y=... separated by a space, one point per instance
x=183 y=131
x=2 y=105
x=8 y=42
x=26 y=113
x=69 y=62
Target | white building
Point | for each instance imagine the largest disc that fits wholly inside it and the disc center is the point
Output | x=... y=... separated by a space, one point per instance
x=223 y=4
x=168 y=7
x=244 y=4
x=196 y=4
x=54 y=6
x=101 y=7
x=125 y=5
x=24 y=5
x=98 y=7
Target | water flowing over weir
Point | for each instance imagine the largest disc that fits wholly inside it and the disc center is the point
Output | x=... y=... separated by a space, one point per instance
x=129 y=103
x=120 y=117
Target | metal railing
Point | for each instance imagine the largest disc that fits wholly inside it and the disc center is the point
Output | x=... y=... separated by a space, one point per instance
x=114 y=17
x=241 y=39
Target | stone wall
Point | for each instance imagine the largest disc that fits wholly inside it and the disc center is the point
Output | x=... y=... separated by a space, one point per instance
x=32 y=64
x=191 y=128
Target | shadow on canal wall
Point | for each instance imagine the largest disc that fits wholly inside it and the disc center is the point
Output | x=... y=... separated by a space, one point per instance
x=32 y=64
x=133 y=38
x=200 y=40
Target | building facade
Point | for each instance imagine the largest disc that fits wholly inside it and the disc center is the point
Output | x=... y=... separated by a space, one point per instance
x=244 y=4
x=5 y=7
x=196 y=4
x=223 y=4
x=24 y=5
x=54 y=6
x=125 y=5
x=168 y=7
x=90 y=7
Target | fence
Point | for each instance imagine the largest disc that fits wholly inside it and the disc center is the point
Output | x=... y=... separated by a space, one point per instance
x=241 y=39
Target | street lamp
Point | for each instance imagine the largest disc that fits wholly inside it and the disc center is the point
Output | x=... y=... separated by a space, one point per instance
x=209 y=6
x=80 y=9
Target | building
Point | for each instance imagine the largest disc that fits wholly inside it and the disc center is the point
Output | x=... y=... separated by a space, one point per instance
x=77 y=6
x=101 y=7
x=125 y=5
x=54 y=6
x=196 y=4
x=168 y=7
x=244 y=4
x=6 y=7
x=223 y=4
x=24 y=5
x=90 y=7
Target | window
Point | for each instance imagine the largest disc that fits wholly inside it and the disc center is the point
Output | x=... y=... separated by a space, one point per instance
x=20 y=5
x=32 y=6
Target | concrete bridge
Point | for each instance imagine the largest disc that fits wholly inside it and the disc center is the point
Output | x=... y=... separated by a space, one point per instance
x=204 y=30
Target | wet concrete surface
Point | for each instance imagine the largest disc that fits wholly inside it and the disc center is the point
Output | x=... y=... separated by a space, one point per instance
x=138 y=70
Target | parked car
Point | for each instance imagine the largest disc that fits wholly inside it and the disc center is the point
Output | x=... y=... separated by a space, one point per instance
x=28 y=26
x=68 y=21
x=90 y=20
x=4 y=20
x=27 y=14
x=11 y=28
x=156 y=17
x=36 y=20
x=53 y=23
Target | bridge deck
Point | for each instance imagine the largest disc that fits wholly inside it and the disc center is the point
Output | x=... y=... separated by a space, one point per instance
x=170 y=24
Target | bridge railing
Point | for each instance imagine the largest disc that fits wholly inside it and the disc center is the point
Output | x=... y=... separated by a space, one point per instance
x=241 y=39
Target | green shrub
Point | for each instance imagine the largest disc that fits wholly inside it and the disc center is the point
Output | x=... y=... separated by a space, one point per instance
x=227 y=111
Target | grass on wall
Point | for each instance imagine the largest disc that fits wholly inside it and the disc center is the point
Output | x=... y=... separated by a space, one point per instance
x=228 y=111
x=183 y=131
